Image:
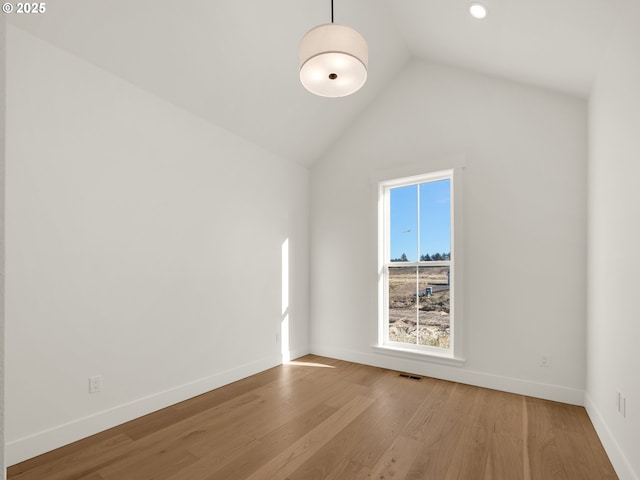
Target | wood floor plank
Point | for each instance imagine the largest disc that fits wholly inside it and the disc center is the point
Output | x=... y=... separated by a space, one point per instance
x=583 y=442
x=366 y=376
x=363 y=441
x=156 y=464
x=326 y=419
x=350 y=470
x=545 y=458
x=392 y=412
x=81 y=459
x=600 y=464
x=221 y=450
x=439 y=424
x=430 y=411
x=279 y=408
x=93 y=476
x=506 y=452
x=471 y=455
x=567 y=424
x=241 y=466
x=397 y=460
x=291 y=458
x=230 y=442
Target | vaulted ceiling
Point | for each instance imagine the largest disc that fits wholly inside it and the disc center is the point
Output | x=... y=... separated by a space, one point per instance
x=234 y=62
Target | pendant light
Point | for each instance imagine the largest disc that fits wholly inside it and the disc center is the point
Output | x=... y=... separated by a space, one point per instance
x=333 y=60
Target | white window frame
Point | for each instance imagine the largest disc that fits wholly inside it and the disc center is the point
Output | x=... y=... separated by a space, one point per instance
x=454 y=354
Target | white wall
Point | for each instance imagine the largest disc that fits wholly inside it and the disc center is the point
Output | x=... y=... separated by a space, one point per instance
x=614 y=253
x=524 y=226
x=2 y=190
x=143 y=244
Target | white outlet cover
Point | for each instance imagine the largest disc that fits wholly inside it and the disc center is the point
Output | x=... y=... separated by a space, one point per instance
x=95 y=384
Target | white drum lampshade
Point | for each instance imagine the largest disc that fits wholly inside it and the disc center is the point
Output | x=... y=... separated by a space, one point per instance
x=333 y=60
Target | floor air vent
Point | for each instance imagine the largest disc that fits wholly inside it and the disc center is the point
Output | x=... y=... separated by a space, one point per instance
x=410 y=377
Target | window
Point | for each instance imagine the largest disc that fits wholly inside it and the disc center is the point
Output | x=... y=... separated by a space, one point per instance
x=417 y=274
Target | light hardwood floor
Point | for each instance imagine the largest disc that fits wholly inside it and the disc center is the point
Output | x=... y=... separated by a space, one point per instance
x=319 y=418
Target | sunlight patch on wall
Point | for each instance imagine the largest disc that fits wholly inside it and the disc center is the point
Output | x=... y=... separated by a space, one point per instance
x=284 y=323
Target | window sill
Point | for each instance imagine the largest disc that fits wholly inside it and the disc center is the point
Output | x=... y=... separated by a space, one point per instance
x=422 y=356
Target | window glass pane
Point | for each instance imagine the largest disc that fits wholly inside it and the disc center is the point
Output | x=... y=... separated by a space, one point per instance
x=402 y=304
x=434 y=306
x=435 y=220
x=403 y=224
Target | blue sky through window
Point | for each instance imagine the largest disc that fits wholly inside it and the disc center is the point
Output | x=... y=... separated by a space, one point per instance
x=435 y=220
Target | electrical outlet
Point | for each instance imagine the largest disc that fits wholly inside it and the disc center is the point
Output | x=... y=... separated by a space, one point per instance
x=545 y=360
x=95 y=384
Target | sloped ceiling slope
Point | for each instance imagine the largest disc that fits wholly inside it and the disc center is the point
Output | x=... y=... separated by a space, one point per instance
x=234 y=62
x=553 y=44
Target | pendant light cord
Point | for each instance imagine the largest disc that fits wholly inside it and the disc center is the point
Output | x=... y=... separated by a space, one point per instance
x=331 y=11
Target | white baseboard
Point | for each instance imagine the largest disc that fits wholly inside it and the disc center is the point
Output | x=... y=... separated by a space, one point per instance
x=573 y=396
x=45 y=441
x=300 y=352
x=618 y=459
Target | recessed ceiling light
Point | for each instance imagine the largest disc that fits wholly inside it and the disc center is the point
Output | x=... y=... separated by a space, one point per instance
x=478 y=10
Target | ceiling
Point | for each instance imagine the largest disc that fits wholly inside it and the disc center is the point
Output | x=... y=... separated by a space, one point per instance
x=234 y=62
